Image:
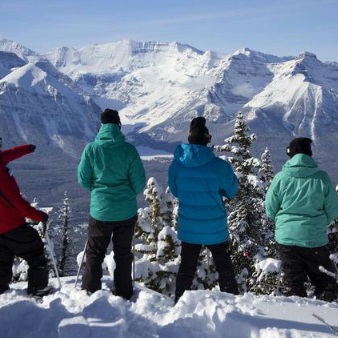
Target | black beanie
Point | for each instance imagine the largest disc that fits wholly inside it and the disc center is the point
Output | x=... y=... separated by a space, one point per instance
x=199 y=133
x=110 y=116
x=300 y=145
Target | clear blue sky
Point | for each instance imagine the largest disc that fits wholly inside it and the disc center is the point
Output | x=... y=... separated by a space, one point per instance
x=279 y=27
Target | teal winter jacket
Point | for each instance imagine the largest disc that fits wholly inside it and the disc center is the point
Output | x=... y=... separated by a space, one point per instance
x=111 y=169
x=302 y=201
x=200 y=180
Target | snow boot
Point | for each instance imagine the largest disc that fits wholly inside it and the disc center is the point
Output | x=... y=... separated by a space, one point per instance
x=329 y=294
x=3 y=289
x=40 y=292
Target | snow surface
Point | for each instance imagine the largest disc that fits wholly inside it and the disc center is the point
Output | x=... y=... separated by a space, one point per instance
x=71 y=313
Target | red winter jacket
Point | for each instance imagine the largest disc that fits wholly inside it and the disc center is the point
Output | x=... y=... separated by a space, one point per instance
x=13 y=207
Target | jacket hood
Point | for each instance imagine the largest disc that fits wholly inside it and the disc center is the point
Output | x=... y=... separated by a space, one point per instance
x=300 y=165
x=193 y=155
x=109 y=133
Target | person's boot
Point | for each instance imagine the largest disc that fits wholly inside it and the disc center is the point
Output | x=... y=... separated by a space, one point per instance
x=329 y=294
x=294 y=290
x=40 y=292
x=3 y=289
x=38 y=281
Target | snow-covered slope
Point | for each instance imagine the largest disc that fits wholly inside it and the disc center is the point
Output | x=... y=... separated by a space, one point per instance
x=159 y=87
x=36 y=107
x=301 y=100
x=70 y=313
x=40 y=105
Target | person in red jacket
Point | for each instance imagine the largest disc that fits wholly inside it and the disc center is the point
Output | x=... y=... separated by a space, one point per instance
x=17 y=238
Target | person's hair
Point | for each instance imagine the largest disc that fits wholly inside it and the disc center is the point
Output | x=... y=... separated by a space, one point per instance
x=300 y=145
x=110 y=116
x=199 y=133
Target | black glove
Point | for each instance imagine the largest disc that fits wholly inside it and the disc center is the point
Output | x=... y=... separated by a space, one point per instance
x=32 y=147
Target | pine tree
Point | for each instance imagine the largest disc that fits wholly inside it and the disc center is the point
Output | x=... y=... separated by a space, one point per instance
x=266 y=169
x=206 y=275
x=66 y=243
x=333 y=234
x=157 y=246
x=246 y=210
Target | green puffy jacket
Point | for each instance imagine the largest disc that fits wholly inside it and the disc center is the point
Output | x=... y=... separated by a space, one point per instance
x=111 y=169
x=302 y=201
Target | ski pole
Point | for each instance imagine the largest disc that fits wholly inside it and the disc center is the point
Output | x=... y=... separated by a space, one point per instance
x=51 y=251
x=80 y=266
x=134 y=266
x=279 y=276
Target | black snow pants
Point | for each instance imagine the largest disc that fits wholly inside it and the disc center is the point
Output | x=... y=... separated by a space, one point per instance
x=26 y=243
x=99 y=236
x=298 y=263
x=187 y=269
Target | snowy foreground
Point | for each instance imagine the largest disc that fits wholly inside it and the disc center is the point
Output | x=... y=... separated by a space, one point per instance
x=70 y=313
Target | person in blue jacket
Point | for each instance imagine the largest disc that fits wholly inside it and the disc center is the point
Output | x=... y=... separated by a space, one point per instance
x=302 y=201
x=200 y=181
x=112 y=170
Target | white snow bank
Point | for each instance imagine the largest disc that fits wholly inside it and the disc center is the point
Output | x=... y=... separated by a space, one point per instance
x=70 y=313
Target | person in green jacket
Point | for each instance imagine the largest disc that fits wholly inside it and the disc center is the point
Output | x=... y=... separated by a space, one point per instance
x=112 y=170
x=302 y=201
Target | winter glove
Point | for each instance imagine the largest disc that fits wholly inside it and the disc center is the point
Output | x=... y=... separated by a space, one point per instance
x=32 y=147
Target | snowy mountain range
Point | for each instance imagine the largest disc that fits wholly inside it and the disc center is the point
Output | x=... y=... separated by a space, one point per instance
x=54 y=99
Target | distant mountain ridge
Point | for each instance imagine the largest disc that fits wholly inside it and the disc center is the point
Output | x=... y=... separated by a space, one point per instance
x=154 y=83
x=55 y=99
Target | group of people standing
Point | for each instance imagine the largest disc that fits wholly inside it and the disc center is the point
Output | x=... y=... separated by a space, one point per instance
x=301 y=200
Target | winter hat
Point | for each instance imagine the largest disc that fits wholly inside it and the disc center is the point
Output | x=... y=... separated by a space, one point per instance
x=110 y=116
x=199 y=133
x=300 y=145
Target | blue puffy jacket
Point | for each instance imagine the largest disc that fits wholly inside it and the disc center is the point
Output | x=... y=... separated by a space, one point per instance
x=200 y=180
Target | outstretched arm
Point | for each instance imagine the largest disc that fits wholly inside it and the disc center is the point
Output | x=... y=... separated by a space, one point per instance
x=16 y=152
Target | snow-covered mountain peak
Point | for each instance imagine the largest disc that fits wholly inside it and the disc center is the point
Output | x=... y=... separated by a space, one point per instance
x=256 y=56
x=28 y=76
x=14 y=47
x=306 y=55
x=157 y=46
x=125 y=56
x=243 y=51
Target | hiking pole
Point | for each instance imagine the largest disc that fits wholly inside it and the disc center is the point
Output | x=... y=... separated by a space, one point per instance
x=80 y=266
x=279 y=277
x=134 y=266
x=51 y=250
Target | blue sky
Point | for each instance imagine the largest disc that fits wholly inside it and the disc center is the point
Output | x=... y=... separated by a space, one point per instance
x=279 y=27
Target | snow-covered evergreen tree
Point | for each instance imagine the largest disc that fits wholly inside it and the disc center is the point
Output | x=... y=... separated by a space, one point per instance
x=157 y=247
x=266 y=169
x=333 y=236
x=66 y=250
x=206 y=275
x=246 y=211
